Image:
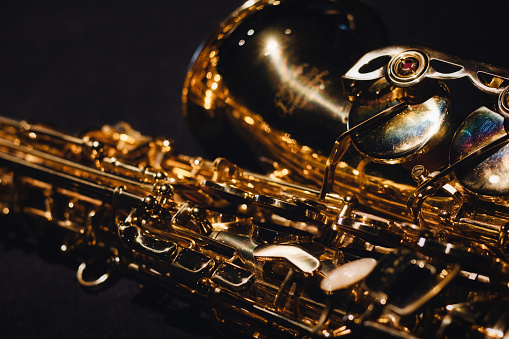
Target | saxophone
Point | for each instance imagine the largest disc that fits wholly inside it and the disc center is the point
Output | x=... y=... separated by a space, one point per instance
x=273 y=258
x=327 y=244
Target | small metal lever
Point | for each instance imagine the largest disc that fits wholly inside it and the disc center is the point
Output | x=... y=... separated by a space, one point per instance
x=296 y=256
x=134 y=238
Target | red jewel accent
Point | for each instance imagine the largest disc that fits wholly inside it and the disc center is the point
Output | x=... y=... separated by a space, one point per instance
x=408 y=65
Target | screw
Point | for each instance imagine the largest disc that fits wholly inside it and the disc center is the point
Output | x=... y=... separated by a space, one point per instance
x=420 y=174
x=408 y=68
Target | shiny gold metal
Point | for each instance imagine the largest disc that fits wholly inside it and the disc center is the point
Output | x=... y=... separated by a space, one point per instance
x=400 y=117
x=433 y=178
x=269 y=79
x=418 y=236
x=253 y=249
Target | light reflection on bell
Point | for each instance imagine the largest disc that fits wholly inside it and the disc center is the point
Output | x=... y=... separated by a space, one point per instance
x=268 y=80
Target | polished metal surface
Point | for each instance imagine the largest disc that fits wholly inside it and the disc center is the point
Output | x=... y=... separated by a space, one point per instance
x=297 y=257
x=380 y=106
x=408 y=236
x=439 y=65
x=265 y=257
x=410 y=133
x=272 y=70
x=489 y=177
x=402 y=127
x=408 y=68
x=348 y=274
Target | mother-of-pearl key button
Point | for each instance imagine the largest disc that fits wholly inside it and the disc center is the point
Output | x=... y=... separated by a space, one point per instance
x=347 y=274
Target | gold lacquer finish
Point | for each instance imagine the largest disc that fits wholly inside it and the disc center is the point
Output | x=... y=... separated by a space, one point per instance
x=270 y=79
x=401 y=114
x=267 y=83
x=399 y=128
x=252 y=248
x=265 y=257
x=399 y=231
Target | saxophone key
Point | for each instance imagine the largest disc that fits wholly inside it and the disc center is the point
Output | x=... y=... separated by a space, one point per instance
x=296 y=257
x=136 y=239
x=244 y=244
x=233 y=277
x=403 y=281
x=347 y=274
x=190 y=266
x=465 y=257
x=228 y=192
x=371 y=228
x=290 y=209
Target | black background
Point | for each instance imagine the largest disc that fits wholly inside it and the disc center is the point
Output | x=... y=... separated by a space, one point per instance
x=78 y=66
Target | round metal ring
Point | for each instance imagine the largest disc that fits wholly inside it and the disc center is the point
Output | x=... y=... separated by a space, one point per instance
x=92 y=283
x=408 y=68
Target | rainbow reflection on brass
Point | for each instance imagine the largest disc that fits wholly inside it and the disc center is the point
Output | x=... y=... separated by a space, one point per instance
x=403 y=137
x=489 y=177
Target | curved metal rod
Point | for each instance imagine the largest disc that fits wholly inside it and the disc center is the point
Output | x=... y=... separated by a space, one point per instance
x=92 y=283
x=343 y=141
x=417 y=198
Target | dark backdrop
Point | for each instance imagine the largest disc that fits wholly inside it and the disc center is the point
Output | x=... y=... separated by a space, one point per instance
x=82 y=65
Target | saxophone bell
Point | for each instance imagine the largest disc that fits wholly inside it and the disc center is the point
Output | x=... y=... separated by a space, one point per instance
x=270 y=68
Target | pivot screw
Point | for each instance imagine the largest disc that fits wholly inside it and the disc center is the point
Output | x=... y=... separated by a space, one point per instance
x=420 y=174
x=408 y=68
